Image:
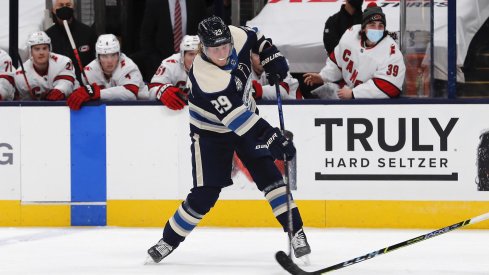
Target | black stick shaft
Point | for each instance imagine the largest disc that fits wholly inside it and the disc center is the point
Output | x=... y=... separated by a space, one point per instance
x=75 y=50
x=286 y=170
x=24 y=74
x=292 y=268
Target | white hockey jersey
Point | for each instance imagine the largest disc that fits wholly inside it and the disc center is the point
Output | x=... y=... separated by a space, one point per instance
x=376 y=72
x=60 y=75
x=7 y=82
x=289 y=87
x=124 y=84
x=171 y=71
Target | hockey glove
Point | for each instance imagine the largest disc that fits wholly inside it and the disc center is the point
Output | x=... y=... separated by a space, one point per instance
x=278 y=145
x=83 y=94
x=55 y=95
x=257 y=90
x=172 y=97
x=274 y=64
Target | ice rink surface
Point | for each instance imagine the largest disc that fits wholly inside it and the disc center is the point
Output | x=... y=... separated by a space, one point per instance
x=113 y=250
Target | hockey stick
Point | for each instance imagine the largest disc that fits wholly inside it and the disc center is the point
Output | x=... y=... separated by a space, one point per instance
x=75 y=50
x=31 y=92
x=286 y=170
x=292 y=268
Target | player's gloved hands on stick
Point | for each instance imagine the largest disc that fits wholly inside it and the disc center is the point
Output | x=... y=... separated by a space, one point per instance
x=55 y=95
x=83 y=94
x=278 y=145
x=274 y=64
x=172 y=97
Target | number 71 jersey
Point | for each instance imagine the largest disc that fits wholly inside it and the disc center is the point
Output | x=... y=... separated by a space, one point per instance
x=372 y=72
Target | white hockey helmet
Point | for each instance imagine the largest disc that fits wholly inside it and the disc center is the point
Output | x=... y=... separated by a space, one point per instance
x=189 y=43
x=107 y=44
x=38 y=38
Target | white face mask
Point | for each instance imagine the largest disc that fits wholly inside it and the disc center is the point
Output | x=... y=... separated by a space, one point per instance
x=375 y=35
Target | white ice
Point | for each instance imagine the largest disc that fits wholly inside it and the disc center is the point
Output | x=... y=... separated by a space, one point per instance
x=113 y=250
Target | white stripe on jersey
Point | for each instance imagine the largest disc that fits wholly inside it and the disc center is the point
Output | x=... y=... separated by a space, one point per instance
x=199 y=175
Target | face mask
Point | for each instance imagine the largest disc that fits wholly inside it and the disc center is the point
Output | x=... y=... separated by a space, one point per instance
x=357 y=4
x=375 y=35
x=64 y=13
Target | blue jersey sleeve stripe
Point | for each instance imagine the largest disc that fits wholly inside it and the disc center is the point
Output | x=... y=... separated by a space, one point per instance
x=248 y=125
x=240 y=120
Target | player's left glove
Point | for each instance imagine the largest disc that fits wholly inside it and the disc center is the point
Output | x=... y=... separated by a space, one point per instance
x=83 y=94
x=274 y=64
x=55 y=95
x=278 y=145
x=172 y=97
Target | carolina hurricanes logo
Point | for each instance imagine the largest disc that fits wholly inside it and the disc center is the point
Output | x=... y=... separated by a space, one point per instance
x=393 y=49
x=376 y=17
x=84 y=48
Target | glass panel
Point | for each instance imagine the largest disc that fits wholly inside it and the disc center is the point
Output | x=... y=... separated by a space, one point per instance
x=476 y=65
x=416 y=47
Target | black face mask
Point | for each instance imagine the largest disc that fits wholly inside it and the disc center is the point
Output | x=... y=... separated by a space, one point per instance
x=64 y=13
x=357 y=4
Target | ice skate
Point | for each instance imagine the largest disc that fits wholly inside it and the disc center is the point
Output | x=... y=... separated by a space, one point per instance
x=301 y=247
x=158 y=252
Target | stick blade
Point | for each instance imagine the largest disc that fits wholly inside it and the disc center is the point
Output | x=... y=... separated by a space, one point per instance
x=287 y=264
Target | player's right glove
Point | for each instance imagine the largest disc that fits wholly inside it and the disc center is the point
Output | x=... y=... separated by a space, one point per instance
x=83 y=94
x=278 y=145
x=257 y=90
x=274 y=64
x=172 y=97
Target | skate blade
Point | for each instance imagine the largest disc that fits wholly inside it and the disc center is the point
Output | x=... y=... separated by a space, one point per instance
x=304 y=260
x=149 y=261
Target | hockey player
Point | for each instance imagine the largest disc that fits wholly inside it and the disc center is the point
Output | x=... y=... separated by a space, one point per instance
x=224 y=119
x=7 y=82
x=48 y=76
x=367 y=59
x=168 y=85
x=289 y=87
x=112 y=75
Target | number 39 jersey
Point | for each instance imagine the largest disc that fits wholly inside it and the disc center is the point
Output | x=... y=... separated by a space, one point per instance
x=376 y=72
x=220 y=98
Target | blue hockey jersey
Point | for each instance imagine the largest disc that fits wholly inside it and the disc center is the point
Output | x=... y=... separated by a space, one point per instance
x=220 y=100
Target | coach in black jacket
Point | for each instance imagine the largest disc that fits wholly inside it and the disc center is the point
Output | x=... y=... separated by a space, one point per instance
x=83 y=35
x=157 y=31
x=350 y=14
